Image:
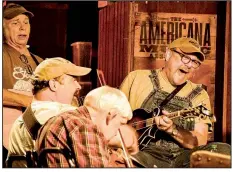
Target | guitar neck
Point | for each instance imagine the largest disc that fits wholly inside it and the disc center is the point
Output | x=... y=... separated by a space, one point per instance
x=150 y=121
x=174 y=114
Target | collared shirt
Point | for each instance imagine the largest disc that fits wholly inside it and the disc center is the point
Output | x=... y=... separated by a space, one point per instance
x=20 y=140
x=74 y=132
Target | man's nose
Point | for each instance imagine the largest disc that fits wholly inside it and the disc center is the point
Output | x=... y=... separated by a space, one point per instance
x=78 y=86
x=22 y=26
x=189 y=64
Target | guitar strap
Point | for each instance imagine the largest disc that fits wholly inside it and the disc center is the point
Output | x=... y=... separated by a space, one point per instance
x=31 y=122
x=29 y=119
x=170 y=96
x=34 y=58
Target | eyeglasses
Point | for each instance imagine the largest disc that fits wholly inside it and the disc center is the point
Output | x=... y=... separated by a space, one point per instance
x=24 y=59
x=186 y=59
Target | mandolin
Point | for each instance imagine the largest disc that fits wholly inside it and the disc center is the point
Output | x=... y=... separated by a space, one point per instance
x=143 y=121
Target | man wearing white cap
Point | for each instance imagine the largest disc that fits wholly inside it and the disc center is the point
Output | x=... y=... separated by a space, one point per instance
x=171 y=142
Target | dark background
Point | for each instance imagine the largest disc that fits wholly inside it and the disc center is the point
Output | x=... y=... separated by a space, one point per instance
x=56 y=25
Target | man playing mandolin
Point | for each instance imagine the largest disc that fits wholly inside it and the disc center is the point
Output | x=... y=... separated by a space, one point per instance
x=170 y=142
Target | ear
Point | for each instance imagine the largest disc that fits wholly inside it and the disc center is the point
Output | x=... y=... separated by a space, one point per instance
x=109 y=117
x=168 y=54
x=53 y=85
x=112 y=113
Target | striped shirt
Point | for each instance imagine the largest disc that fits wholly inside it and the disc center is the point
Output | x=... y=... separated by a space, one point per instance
x=75 y=133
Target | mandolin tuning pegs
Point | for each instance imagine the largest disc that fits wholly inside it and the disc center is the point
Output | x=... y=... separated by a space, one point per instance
x=203 y=116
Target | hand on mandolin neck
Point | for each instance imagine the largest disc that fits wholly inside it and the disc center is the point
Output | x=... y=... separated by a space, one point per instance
x=146 y=126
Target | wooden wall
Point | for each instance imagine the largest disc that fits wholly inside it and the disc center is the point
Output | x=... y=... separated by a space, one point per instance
x=113 y=48
x=226 y=122
x=116 y=43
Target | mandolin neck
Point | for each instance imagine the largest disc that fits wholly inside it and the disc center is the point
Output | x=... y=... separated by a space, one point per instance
x=150 y=121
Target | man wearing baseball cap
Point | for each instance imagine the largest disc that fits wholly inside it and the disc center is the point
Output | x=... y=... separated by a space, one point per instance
x=54 y=87
x=18 y=65
x=12 y=10
x=171 y=142
x=188 y=45
x=90 y=127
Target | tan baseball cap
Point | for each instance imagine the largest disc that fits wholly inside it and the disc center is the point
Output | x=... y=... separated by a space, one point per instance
x=57 y=66
x=12 y=10
x=188 y=45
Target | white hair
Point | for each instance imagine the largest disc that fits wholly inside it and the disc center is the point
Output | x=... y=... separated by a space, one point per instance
x=107 y=98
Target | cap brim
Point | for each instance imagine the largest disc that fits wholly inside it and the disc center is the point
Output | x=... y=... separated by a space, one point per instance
x=192 y=50
x=77 y=70
x=13 y=14
x=28 y=13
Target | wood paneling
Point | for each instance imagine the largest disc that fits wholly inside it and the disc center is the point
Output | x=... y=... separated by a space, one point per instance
x=201 y=7
x=227 y=79
x=171 y=6
x=219 y=74
x=113 y=42
x=197 y=7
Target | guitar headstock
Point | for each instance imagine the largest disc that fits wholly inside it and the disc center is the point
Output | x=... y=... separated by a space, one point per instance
x=187 y=116
x=200 y=111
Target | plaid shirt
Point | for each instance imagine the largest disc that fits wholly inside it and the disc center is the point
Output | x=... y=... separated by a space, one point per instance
x=74 y=132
